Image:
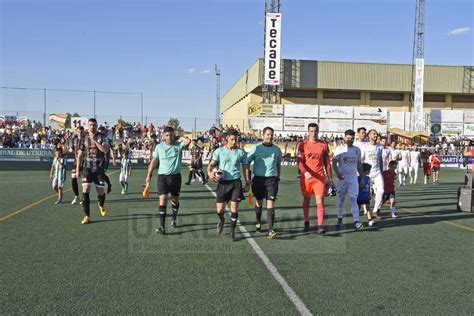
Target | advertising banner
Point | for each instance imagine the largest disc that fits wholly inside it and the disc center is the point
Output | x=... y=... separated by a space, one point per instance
x=301 y=110
x=332 y=111
x=272 y=48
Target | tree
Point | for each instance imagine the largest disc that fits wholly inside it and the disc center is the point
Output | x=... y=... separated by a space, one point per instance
x=175 y=123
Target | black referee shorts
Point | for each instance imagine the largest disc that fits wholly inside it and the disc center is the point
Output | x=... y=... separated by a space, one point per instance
x=265 y=188
x=169 y=184
x=229 y=190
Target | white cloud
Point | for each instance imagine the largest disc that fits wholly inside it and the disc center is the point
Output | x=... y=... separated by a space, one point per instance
x=192 y=70
x=205 y=71
x=460 y=31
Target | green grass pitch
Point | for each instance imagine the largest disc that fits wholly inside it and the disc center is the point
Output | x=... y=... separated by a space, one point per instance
x=420 y=263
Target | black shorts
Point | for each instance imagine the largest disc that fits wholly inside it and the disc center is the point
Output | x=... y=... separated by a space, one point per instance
x=265 y=188
x=197 y=165
x=169 y=184
x=435 y=169
x=90 y=176
x=363 y=202
x=229 y=190
x=387 y=196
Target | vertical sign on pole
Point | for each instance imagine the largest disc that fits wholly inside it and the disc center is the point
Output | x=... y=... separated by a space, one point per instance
x=272 y=49
x=418 y=96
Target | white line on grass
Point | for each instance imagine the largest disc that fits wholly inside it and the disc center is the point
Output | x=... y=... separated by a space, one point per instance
x=294 y=298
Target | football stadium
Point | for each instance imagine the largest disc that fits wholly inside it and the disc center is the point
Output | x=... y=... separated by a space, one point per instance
x=318 y=187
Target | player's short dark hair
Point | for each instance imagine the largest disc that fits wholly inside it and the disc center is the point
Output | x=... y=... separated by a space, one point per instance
x=383 y=137
x=349 y=132
x=372 y=130
x=268 y=128
x=168 y=129
x=232 y=132
x=101 y=128
x=59 y=149
x=153 y=136
x=313 y=125
x=361 y=129
x=93 y=120
x=393 y=163
x=80 y=127
x=366 y=167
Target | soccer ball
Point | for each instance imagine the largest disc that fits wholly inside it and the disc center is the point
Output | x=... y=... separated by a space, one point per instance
x=218 y=174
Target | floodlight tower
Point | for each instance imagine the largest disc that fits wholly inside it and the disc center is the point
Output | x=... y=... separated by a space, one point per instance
x=218 y=95
x=418 y=63
x=270 y=93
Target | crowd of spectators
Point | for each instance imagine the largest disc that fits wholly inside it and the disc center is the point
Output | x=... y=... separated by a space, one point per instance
x=33 y=135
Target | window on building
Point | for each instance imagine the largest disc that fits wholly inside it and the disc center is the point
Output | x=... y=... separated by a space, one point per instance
x=352 y=95
x=434 y=98
x=463 y=98
x=299 y=94
x=386 y=96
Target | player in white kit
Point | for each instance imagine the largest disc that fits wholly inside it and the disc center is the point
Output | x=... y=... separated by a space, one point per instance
x=346 y=163
x=361 y=135
x=386 y=152
x=415 y=158
x=371 y=153
x=403 y=165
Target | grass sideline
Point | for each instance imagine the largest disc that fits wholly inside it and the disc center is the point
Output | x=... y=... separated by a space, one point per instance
x=52 y=264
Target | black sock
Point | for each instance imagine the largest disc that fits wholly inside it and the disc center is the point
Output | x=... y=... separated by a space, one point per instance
x=107 y=180
x=86 y=204
x=175 y=209
x=190 y=177
x=221 y=216
x=258 y=213
x=101 y=199
x=270 y=217
x=162 y=215
x=75 y=187
x=201 y=173
x=233 y=223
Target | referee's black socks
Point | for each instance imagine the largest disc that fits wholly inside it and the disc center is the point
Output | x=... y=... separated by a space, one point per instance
x=258 y=213
x=233 y=222
x=221 y=216
x=270 y=217
x=86 y=204
x=162 y=215
x=175 y=209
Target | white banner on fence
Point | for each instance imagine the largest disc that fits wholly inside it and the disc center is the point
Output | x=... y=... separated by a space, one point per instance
x=365 y=113
x=468 y=116
x=335 y=126
x=262 y=122
x=272 y=48
x=297 y=124
x=335 y=111
x=451 y=128
x=468 y=129
x=371 y=124
x=301 y=110
x=396 y=120
x=447 y=116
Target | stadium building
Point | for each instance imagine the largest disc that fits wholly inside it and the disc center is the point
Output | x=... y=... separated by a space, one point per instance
x=344 y=85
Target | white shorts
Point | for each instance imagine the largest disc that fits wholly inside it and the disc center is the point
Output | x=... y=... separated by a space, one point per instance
x=403 y=168
x=123 y=177
x=377 y=183
x=58 y=183
x=414 y=167
x=349 y=186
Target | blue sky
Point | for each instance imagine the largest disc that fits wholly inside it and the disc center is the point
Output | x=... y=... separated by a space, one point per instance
x=168 y=49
